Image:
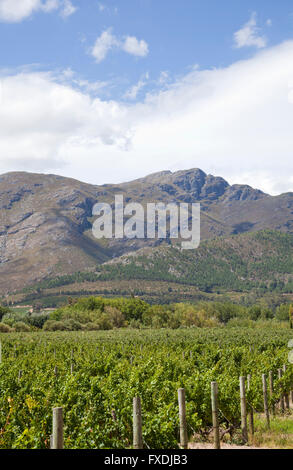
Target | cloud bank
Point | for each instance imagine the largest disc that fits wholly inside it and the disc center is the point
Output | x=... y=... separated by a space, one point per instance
x=15 y=11
x=235 y=122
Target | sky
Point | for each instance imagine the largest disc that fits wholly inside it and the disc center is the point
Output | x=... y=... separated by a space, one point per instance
x=108 y=91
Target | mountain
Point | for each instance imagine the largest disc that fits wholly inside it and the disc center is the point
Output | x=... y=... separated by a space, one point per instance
x=45 y=221
x=256 y=260
x=249 y=266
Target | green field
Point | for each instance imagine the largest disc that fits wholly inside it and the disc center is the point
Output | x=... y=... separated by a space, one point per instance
x=111 y=367
x=20 y=310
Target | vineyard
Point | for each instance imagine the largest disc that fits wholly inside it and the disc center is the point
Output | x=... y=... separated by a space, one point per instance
x=94 y=376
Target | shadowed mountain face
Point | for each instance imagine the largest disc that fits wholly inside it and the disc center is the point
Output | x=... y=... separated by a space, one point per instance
x=45 y=220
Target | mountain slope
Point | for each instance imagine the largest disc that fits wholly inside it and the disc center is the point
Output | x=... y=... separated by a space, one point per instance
x=45 y=220
x=42 y=228
x=247 y=266
x=241 y=262
x=261 y=260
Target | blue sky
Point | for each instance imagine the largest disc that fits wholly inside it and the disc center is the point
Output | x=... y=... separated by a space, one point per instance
x=126 y=65
x=179 y=35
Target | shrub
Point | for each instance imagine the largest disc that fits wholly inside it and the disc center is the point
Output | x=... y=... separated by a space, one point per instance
x=135 y=324
x=52 y=325
x=21 y=326
x=104 y=322
x=132 y=309
x=91 y=326
x=72 y=325
x=241 y=323
x=11 y=318
x=282 y=312
x=37 y=320
x=115 y=316
x=5 y=328
x=3 y=311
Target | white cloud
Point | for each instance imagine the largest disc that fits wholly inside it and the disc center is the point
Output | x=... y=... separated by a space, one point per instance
x=15 y=11
x=67 y=9
x=135 y=89
x=107 y=41
x=248 y=35
x=103 y=45
x=58 y=116
x=269 y=22
x=92 y=87
x=49 y=5
x=235 y=122
x=107 y=9
x=164 y=77
x=135 y=47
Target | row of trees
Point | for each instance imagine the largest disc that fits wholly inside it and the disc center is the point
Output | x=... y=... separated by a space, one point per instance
x=99 y=313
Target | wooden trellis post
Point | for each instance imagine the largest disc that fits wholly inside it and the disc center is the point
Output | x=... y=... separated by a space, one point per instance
x=265 y=398
x=250 y=409
x=137 y=424
x=57 y=437
x=243 y=410
x=281 y=403
x=215 y=413
x=182 y=419
x=286 y=395
x=271 y=385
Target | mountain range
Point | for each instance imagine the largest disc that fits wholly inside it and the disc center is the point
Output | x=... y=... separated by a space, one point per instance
x=46 y=220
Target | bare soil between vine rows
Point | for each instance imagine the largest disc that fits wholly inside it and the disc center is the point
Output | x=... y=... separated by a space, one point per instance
x=207 y=445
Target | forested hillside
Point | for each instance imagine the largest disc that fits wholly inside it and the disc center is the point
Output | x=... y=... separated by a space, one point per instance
x=261 y=260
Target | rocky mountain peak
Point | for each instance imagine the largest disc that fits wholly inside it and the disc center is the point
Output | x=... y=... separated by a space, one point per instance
x=45 y=220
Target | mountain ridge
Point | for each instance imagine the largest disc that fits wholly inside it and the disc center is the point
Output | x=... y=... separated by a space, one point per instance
x=45 y=220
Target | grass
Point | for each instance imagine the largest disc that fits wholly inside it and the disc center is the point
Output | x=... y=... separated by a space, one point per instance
x=279 y=436
x=19 y=309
